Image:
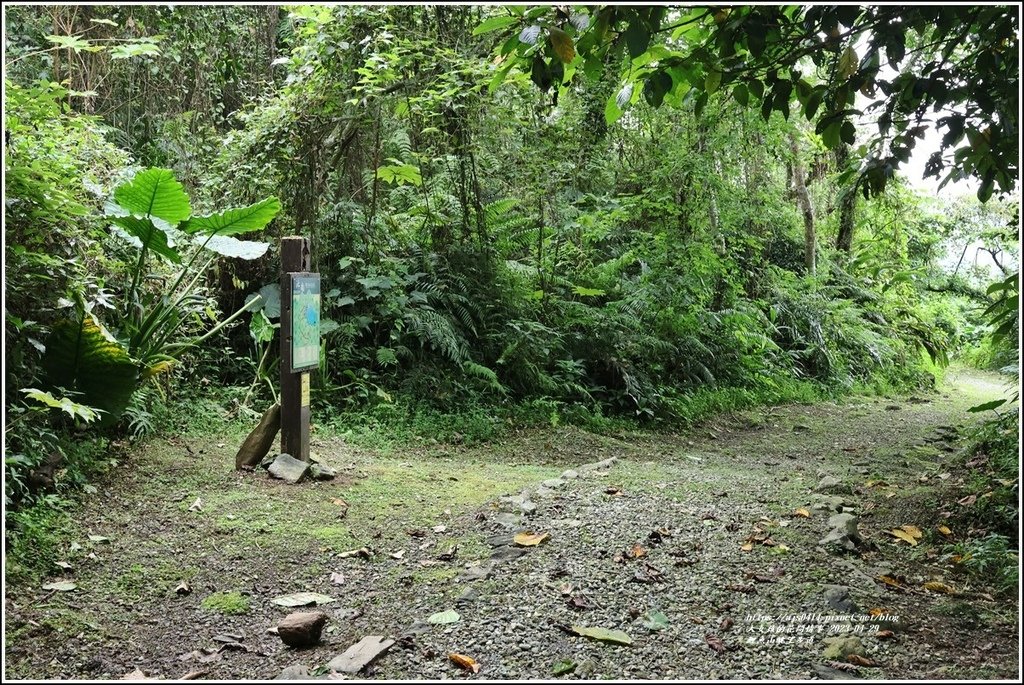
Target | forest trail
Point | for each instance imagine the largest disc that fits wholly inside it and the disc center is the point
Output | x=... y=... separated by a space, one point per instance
x=691 y=544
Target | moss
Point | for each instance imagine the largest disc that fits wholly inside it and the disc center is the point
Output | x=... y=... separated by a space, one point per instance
x=228 y=603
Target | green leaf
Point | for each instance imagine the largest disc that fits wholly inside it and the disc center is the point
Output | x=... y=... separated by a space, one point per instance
x=741 y=94
x=656 y=620
x=70 y=42
x=72 y=409
x=443 y=617
x=994 y=404
x=712 y=81
x=830 y=136
x=562 y=667
x=603 y=634
x=154 y=192
x=494 y=24
x=233 y=247
x=587 y=292
x=83 y=357
x=149 y=235
x=260 y=327
x=848 y=133
x=400 y=174
x=235 y=221
x=848 y=62
x=637 y=38
x=529 y=34
x=129 y=50
x=562 y=44
x=301 y=599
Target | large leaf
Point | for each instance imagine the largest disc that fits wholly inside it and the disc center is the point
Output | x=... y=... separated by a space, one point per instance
x=603 y=634
x=235 y=221
x=149 y=235
x=83 y=357
x=233 y=247
x=155 y=192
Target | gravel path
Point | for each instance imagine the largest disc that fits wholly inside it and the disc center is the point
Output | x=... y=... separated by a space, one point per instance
x=702 y=548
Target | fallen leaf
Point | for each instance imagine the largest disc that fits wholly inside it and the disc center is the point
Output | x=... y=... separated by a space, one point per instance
x=613 y=491
x=397 y=555
x=859 y=660
x=98 y=538
x=747 y=547
x=726 y=624
x=197 y=505
x=440 y=528
x=361 y=552
x=301 y=599
x=967 y=501
x=936 y=586
x=841 y=666
x=885 y=635
x=562 y=667
x=803 y=513
x=193 y=675
x=338 y=578
x=904 y=535
x=60 y=586
x=636 y=552
x=714 y=642
x=945 y=531
x=444 y=617
x=64 y=565
x=530 y=539
x=466 y=662
x=914 y=531
x=890 y=581
x=656 y=620
x=183 y=588
x=75 y=547
x=738 y=587
x=603 y=634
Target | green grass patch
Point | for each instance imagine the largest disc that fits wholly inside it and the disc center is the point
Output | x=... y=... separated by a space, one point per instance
x=227 y=603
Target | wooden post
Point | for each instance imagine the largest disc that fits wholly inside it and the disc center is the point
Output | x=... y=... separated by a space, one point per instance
x=294 y=411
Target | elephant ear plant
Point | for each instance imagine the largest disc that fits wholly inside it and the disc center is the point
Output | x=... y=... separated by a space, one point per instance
x=152 y=212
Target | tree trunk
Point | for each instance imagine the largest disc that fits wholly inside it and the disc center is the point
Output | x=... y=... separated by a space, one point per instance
x=847 y=204
x=803 y=199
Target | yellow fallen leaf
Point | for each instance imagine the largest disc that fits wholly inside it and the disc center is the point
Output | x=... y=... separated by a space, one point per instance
x=936 y=586
x=889 y=580
x=747 y=547
x=904 y=535
x=466 y=662
x=802 y=512
x=945 y=531
x=530 y=539
x=637 y=551
x=914 y=531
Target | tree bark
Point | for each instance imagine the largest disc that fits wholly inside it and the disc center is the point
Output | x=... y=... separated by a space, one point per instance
x=803 y=199
x=847 y=203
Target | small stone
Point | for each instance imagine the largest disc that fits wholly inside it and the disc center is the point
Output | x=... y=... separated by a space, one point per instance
x=507 y=520
x=838 y=597
x=288 y=468
x=478 y=572
x=569 y=475
x=500 y=540
x=553 y=483
x=467 y=597
x=507 y=553
x=844 y=532
x=418 y=628
x=832 y=485
x=528 y=507
x=828 y=673
x=301 y=628
x=321 y=472
x=543 y=492
x=296 y=672
x=839 y=648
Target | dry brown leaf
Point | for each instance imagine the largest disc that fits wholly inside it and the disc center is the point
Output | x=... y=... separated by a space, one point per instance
x=945 y=531
x=889 y=580
x=803 y=513
x=967 y=501
x=842 y=666
x=466 y=662
x=885 y=635
x=904 y=535
x=747 y=547
x=914 y=531
x=714 y=642
x=530 y=539
x=859 y=660
x=636 y=551
x=613 y=491
x=726 y=624
x=936 y=586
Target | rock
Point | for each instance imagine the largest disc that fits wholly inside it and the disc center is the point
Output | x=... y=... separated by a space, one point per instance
x=258 y=442
x=360 y=655
x=831 y=485
x=296 y=672
x=569 y=475
x=553 y=483
x=838 y=597
x=827 y=503
x=839 y=648
x=528 y=507
x=507 y=520
x=828 y=673
x=844 y=532
x=288 y=468
x=477 y=572
x=542 y=492
x=500 y=540
x=585 y=668
x=301 y=628
x=267 y=461
x=321 y=472
x=467 y=597
x=418 y=628
x=507 y=553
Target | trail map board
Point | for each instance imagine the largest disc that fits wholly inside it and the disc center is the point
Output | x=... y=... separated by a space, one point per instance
x=305 y=321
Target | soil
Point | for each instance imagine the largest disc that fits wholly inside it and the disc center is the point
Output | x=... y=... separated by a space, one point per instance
x=702 y=547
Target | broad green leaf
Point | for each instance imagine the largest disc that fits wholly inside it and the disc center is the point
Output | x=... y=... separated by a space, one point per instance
x=529 y=34
x=255 y=217
x=656 y=620
x=148 y=234
x=443 y=617
x=741 y=94
x=494 y=24
x=260 y=328
x=712 y=81
x=70 y=42
x=83 y=357
x=154 y=192
x=301 y=599
x=400 y=174
x=637 y=38
x=562 y=667
x=848 y=62
x=133 y=50
x=587 y=292
x=72 y=409
x=603 y=634
x=994 y=404
x=233 y=247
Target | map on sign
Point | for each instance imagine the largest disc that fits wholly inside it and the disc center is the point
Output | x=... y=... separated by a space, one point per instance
x=305 y=321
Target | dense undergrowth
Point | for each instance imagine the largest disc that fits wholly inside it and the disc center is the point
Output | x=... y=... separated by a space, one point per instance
x=492 y=257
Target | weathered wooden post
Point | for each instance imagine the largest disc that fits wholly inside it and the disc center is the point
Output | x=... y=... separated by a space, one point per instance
x=300 y=343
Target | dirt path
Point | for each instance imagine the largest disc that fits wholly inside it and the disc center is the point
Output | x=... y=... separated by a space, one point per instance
x=721 y=558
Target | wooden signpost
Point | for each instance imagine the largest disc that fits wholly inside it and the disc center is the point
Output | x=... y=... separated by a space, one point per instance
x=300 y=343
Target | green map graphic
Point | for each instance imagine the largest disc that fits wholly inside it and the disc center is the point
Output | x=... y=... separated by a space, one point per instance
x=305 y=321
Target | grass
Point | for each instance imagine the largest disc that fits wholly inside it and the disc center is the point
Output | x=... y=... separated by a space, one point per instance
x=228 y=603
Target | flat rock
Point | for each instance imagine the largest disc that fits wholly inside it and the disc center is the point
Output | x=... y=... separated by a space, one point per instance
x=467 y=597
x=569 y=475
x=839 y=648
x=477 y=572
x=360 y=655
x=500 y=540
x=507 y=520
x=553 y=483
x=832 y=485
x=829 y=673
x=288 y=468
x=827 y=502
x=296 y=672
x=528 y=507
x=844 y=532
x=838 y=598
x=301 y=628
x=321 y=472
x=507 y=553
